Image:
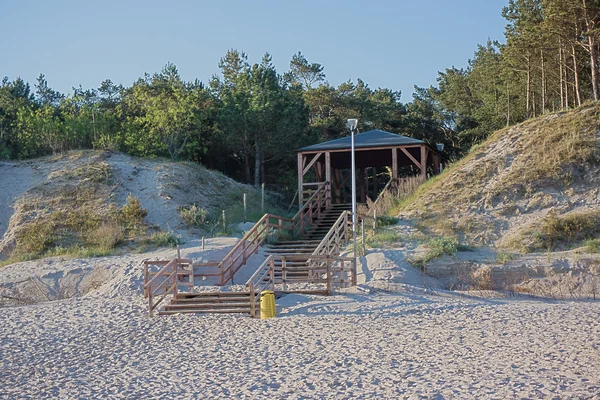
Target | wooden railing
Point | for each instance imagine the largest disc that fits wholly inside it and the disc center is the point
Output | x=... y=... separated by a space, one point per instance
x=312 y=208
x=257 y=235
x=338 y=235
x=250 y=243
x=333 y=271
x=163 y=282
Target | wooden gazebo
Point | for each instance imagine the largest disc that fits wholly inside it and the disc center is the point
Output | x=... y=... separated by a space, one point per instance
x=331 y=160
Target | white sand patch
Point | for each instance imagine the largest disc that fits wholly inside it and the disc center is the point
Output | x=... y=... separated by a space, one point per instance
x=15 y=180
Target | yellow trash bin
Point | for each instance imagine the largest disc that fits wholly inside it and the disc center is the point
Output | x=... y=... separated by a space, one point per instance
x=267 y=304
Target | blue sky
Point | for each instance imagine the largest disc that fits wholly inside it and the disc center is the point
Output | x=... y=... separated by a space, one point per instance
x=393 y=44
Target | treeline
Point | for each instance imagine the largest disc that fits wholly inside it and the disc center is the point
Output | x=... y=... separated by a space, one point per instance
x=248 y=121
x=548 y=63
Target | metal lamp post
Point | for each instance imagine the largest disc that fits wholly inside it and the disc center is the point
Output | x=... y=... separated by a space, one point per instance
x=351 y=124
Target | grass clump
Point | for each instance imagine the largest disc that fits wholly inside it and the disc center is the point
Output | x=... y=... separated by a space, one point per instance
x=503 y=257
x=380 y=239
x=194 y=216
x=385 y=220
x=564 y=230
x=161 y=239
x=132 y=214
x=592 y=245
x=437 y=247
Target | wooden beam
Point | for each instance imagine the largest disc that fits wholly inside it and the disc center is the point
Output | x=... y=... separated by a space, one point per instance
x=311 y=163
x=300 y=178
x=362 y=149
x=363 y=190
x=394 y=164
x=328 y=177
x=414 y=160
x=337 y=185
x=374 y=183
x=319 y=170
x=424 y=161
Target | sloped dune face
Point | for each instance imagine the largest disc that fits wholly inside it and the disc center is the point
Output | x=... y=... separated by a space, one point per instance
x=16 y=179
x=66 y=197
x=519 y=181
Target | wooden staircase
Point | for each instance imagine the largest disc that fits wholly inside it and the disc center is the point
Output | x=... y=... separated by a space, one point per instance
x=209 y=302
x=298 y=251
x=319 y=230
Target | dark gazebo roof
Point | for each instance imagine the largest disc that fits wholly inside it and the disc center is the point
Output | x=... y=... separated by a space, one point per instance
x=374 y=138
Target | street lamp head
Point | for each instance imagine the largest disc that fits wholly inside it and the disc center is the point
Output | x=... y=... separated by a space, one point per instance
x=352 y=123
x=440 y=147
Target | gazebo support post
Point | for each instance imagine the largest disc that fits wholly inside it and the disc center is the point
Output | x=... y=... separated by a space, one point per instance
x=328 y=178
x=424 y=162
x=337 y=185
x=395 y=164
x=363 y=189
x=300 y=179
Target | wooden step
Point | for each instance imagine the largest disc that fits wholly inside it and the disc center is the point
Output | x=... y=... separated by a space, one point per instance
x=169 y=307
x=211 y=300
x=221 y=311
x=211 y=294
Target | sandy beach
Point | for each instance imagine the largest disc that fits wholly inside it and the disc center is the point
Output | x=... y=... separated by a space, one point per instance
x=378 y=345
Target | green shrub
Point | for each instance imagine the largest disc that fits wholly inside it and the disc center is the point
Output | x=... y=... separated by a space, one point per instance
x=566 y=229
x=132 y=212
x=162 y=239
x=437 y=248
x=592 y=245
x=385 y=220
x=194 y=215
x=381 y=238
x=443 y=245
x=106 y=236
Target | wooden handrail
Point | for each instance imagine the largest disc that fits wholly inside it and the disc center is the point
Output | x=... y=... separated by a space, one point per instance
x=317 y=201
x=172 y=269
x=249 y=243
x=332 y=234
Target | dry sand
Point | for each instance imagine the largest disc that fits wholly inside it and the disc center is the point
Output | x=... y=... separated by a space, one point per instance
x=390 y=338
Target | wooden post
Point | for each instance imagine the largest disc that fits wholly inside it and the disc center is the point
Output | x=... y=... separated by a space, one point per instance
x=328 y=179
x=374 y=183
x=272 y=272
x=338 y=186
x=328 y=261
x=284 y=273
x=300 y=177
x=394 y=164
x=245 y=214
x=145 y=278
x=374 y=219
x=252 y=300
x=362 y=228
x=280 y=227
x=363 y=190
x=353 y=273
x=423 y=161
x=224 y=222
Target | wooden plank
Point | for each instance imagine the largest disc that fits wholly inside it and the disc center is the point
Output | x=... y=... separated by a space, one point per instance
x=300 y=178
x=311 y=163
x=394 y=164
x=328 y=177
x=361 y=149
x=363 y=183
x=414 y=160
x=424 y=161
